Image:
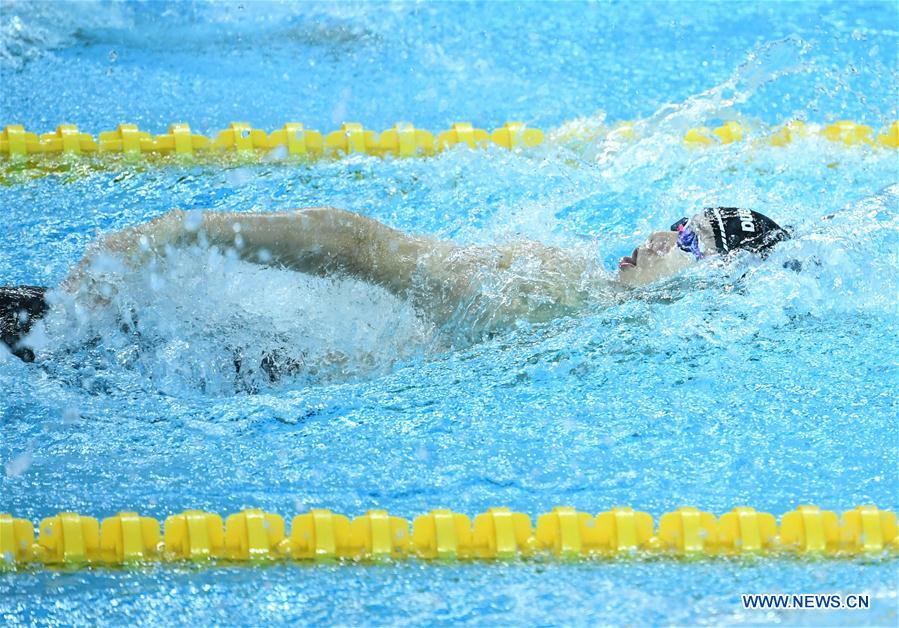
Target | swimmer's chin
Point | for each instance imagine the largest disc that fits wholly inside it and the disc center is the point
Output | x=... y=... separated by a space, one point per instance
x=630 y=275
x=649 y=268
x=627 y=274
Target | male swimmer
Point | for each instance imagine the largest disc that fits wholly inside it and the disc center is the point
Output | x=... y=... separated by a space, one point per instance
x=503 y=283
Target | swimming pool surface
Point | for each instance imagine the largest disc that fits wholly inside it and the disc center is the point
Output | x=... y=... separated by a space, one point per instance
x=750 y=385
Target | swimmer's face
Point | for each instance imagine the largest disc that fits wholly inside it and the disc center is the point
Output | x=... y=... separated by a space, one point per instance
x=655 y=259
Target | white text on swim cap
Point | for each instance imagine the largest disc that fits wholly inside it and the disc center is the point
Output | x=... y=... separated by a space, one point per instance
x=746 y=221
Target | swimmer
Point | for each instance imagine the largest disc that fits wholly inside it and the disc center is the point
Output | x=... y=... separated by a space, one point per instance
x=502 y=283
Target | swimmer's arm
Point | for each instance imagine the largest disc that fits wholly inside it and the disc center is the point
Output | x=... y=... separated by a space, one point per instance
x=322 y=241
x=319 y=241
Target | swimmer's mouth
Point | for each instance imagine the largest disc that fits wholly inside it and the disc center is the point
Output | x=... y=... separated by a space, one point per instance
x=628 y=261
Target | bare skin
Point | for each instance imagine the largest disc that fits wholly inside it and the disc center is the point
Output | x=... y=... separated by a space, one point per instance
x=656 y=258
x=659 y=257
x=501 y=284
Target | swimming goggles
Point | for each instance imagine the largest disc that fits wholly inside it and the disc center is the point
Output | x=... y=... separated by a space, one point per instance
x=687 y=240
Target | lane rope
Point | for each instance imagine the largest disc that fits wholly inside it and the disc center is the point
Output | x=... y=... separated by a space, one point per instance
x=253 y=535
x=403 y=140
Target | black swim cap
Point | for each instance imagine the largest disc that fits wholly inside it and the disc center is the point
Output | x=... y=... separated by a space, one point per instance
x=743 y=229
x=20 y=306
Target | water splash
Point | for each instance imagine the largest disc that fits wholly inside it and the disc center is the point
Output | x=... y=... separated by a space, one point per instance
x=769 y=62
x=29 y=30
x=616 y=153
x=201 y=320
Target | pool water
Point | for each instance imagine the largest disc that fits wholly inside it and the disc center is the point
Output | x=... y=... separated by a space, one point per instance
x=746 y=384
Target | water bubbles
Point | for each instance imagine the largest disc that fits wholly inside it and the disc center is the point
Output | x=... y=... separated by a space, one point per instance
x=193 y=220
x=19 y=464
x=70 y=415
x=339 y=113
x=278 y=153
x=239 y=176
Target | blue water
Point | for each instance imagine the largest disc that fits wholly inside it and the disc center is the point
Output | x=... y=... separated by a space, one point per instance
x=749 y=384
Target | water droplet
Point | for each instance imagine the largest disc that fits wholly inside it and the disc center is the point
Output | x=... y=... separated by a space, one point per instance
x=70 y=415
x=19 y=465
x=193 y=220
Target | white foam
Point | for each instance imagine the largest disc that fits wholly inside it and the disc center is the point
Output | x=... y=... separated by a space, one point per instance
x=185 y=321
